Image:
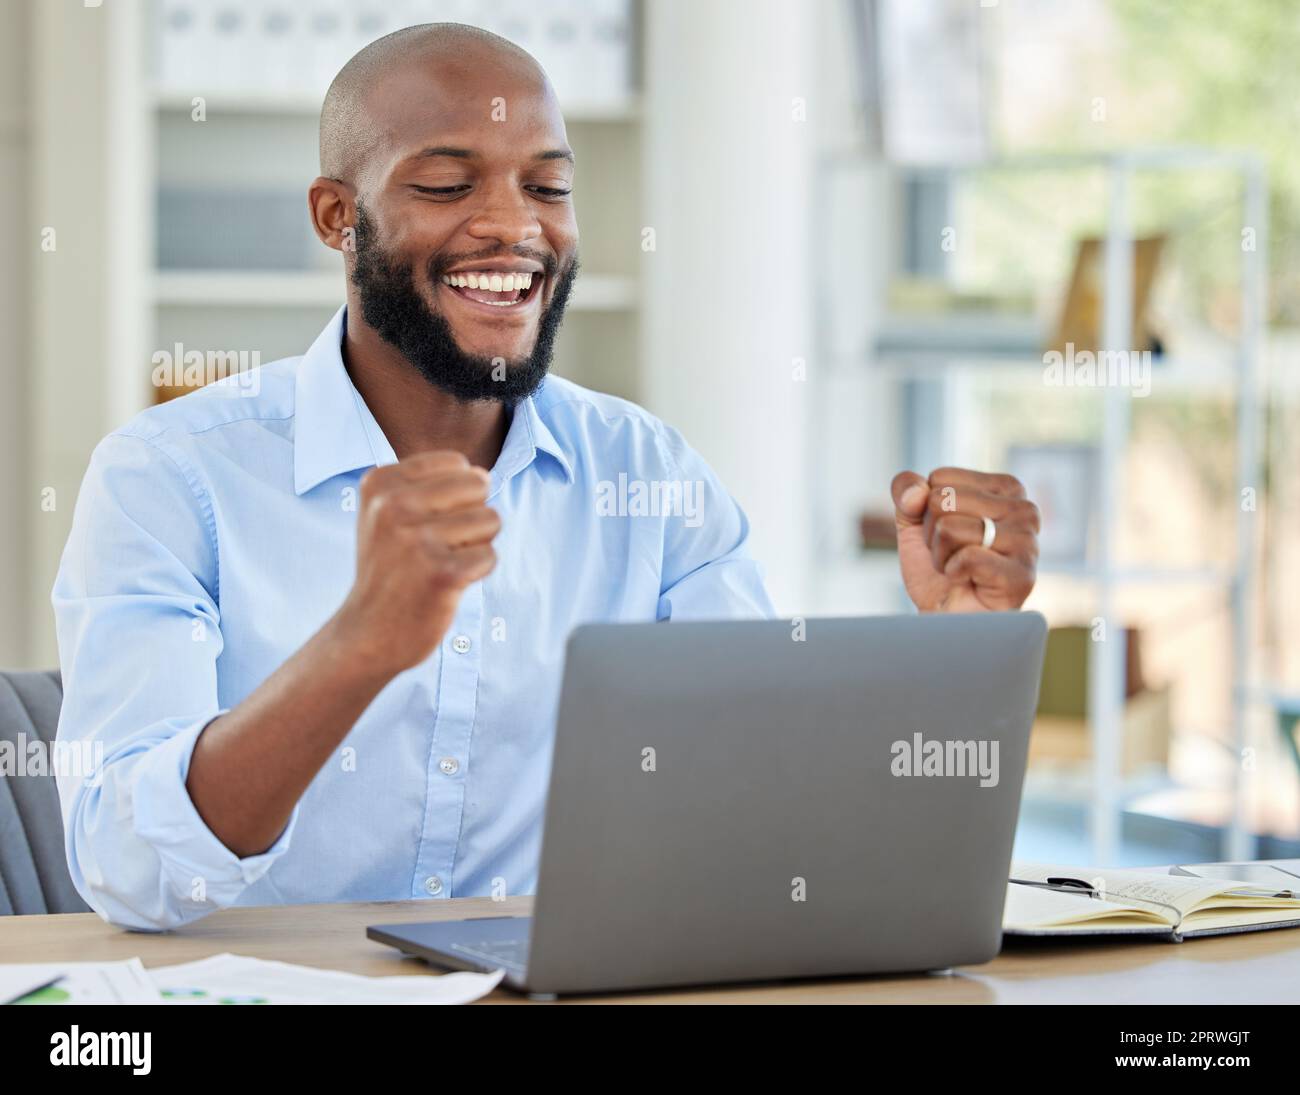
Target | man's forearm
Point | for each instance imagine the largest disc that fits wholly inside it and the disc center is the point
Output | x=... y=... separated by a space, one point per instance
x=252 y=765
x=424 y=533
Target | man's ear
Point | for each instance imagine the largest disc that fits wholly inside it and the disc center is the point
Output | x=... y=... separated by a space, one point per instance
x=331 y=204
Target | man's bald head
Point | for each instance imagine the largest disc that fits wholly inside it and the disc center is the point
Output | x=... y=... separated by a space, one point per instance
x=349 y=127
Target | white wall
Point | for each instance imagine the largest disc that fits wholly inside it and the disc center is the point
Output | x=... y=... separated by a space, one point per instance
x=736 y=189
x=854 y=422
x=725 y=291
x=15 y=502
x=71 y=380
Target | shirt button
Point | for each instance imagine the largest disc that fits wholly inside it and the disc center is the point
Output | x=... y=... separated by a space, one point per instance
x=433 y=885
x=449 y=766
x=461 y=644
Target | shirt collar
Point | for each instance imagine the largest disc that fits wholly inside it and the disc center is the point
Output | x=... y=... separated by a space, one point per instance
x=527 y=436
x=335 y=432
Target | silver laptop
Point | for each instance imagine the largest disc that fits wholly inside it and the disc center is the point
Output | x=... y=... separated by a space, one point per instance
x=743 y=801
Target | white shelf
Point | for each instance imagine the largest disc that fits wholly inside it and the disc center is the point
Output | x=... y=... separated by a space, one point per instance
x=218 y=102
x=966 y=333
x=1170 y=374
x=273 y=289
x=221 y=288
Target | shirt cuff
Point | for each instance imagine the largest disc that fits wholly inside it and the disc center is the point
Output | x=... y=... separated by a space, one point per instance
x=190 y=852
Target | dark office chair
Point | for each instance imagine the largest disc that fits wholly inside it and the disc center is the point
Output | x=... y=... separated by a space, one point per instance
x=33 y=868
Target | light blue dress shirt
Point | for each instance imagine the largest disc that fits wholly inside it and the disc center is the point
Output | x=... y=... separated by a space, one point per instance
x=215 y=534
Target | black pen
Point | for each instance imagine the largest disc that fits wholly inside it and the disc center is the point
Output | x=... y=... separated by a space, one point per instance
x=1061 y=885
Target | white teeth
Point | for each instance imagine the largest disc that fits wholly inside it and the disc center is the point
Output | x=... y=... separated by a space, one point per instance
x=495 y=283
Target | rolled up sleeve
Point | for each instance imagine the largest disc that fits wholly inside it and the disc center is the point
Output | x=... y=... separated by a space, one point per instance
x=708 y=572
x=136 y=608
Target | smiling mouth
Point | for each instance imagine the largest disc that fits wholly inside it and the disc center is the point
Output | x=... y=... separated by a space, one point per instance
x=495 y=288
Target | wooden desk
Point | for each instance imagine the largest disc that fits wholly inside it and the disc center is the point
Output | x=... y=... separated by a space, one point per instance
x=1261 y=967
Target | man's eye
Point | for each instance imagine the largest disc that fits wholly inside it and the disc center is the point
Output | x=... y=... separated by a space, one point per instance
x=442 y=191
x=549 y=191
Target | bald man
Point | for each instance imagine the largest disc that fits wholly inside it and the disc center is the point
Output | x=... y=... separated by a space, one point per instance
x=312 y=626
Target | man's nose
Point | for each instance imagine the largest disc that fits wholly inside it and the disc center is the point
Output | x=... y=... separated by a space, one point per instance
x=506 y=216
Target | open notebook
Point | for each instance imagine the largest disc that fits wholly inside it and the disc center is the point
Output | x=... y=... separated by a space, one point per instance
x=1140 y=903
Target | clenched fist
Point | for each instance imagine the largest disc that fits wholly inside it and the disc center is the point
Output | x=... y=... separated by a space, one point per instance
x=967 y=540
x=424 y=533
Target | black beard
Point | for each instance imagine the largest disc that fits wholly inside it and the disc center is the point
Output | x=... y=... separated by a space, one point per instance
x=392 y=305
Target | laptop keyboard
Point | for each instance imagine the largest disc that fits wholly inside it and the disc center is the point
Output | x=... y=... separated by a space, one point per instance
x=509 y=953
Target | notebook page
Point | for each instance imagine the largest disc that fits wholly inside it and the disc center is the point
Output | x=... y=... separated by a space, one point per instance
x=1173 y=896
x=1029 y=908
x=1239 y=918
